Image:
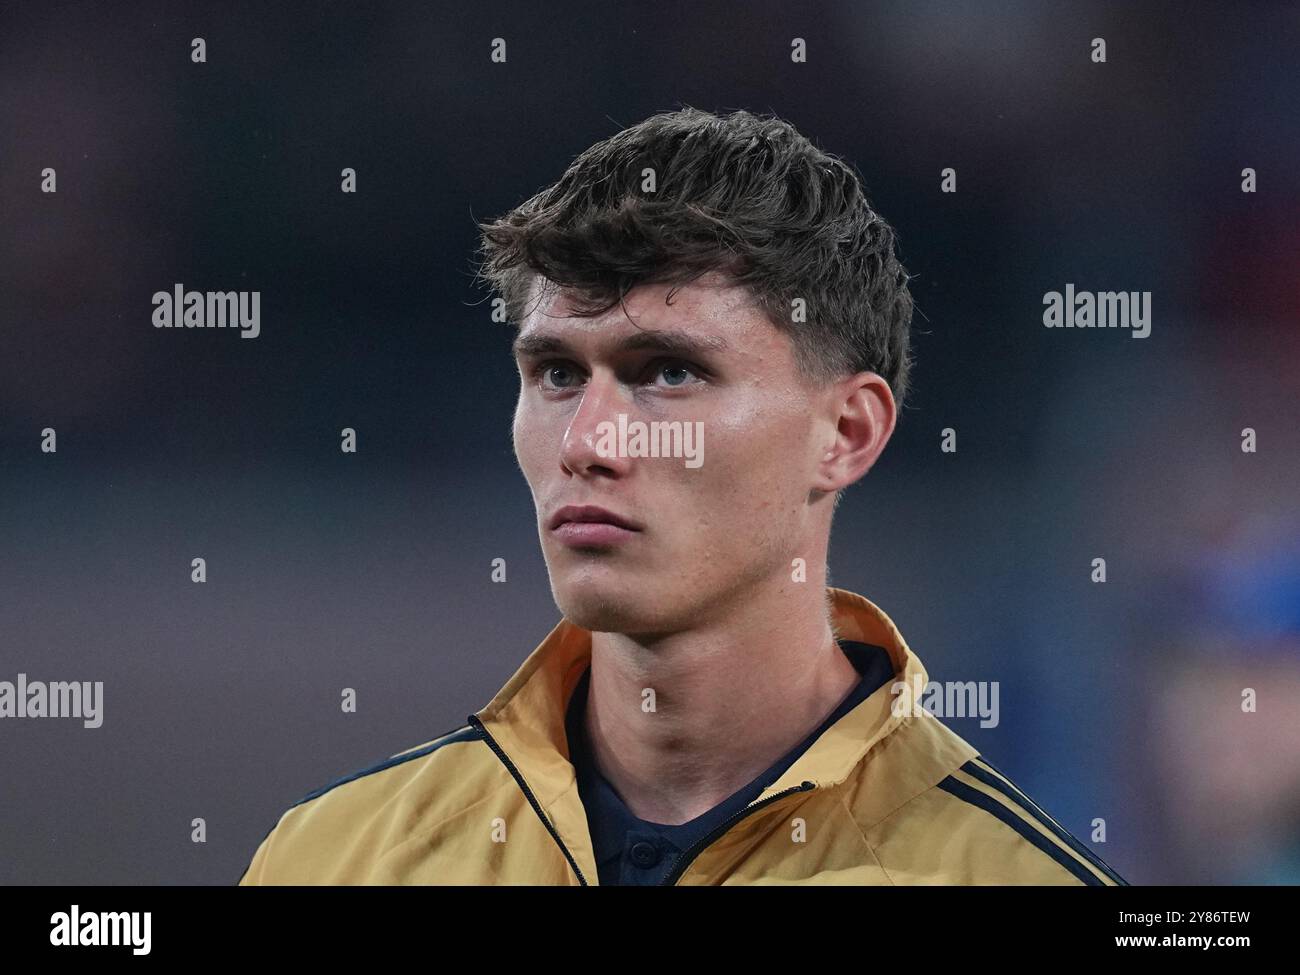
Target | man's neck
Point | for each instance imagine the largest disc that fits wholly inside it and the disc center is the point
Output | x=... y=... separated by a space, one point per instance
x=680 y=723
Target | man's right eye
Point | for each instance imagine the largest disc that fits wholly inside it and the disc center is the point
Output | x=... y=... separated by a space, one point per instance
x=549 y=369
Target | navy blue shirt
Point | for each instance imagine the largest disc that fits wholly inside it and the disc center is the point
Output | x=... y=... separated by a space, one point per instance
x=632 y=851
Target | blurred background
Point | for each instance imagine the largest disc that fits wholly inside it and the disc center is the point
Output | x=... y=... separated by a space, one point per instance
x=1119 y=701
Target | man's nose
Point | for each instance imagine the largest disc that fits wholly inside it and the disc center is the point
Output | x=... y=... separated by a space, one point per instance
x=590 y=429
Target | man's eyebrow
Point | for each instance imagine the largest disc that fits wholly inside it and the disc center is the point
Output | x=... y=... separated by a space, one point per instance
x=671 y=341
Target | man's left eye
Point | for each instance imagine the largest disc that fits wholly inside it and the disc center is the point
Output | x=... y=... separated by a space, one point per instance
x=671 y=366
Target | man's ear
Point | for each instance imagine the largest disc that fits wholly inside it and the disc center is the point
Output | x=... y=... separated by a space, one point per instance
x=863 y=411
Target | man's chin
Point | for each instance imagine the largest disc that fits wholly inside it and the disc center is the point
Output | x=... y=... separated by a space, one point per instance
x=604 y=608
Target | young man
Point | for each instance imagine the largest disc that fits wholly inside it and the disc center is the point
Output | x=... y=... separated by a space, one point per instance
x=708 y=711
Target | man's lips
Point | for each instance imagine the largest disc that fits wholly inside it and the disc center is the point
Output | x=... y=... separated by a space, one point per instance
x=586 y=534
x=590 y=514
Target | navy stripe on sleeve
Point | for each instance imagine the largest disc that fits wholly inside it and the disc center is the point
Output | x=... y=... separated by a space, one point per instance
x=466 y=733
x=1021 y=799
x=994 y=808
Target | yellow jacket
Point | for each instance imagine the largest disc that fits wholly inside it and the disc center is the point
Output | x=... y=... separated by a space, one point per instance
x=879 y=798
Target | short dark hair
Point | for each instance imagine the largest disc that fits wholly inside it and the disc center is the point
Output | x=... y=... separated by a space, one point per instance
x=739 y=193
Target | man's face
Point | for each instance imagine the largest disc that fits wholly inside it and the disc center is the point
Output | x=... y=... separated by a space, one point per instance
x=707 y=533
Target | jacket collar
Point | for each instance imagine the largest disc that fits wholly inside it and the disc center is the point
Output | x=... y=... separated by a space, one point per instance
x=526 y=718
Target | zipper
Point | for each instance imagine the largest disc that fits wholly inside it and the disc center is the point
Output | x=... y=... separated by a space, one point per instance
x=528 y=794
x=694 y=850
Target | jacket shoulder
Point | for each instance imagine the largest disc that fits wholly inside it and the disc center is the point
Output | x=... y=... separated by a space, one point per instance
x=974 y=826
x=333 y=833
